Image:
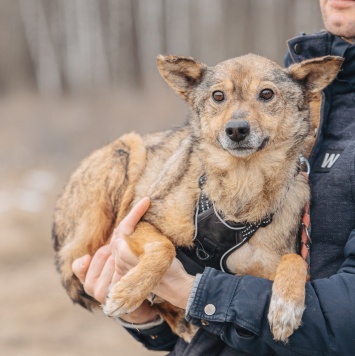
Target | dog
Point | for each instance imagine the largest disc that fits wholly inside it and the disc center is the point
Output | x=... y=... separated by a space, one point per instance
x=249 y=124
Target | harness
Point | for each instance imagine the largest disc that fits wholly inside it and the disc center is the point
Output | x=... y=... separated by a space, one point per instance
x=215 y=238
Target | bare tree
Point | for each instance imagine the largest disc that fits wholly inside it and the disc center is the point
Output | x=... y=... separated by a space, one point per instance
x=40 y=45
x=80 y=45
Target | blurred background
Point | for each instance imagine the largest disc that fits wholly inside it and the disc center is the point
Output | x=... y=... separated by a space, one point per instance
x=74 y=75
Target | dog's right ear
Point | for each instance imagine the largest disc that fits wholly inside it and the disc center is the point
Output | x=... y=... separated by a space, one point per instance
x=183 y=74
x=316 y=73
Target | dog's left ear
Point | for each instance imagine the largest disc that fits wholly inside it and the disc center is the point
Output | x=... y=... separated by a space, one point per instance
x=183 y=74
x=316 y=74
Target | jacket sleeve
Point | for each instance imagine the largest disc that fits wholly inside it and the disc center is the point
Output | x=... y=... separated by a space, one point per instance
x=241 y=308
x=157 y=338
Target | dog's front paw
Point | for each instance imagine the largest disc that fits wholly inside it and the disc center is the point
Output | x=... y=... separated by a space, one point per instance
x=288 y=297
x=123 y=298
x=285 y=316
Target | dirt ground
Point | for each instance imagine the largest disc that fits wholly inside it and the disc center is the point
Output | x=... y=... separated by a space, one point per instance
x=41 y=142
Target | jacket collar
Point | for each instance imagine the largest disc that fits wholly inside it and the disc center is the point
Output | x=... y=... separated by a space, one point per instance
x=309 y=46
x=322 y=44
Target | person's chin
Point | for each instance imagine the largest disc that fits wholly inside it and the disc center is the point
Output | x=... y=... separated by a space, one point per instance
x=341 y=23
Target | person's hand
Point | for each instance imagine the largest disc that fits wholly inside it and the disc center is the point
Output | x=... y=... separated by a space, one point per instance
x=126 y=227
x=175 y=286
x=97 y=273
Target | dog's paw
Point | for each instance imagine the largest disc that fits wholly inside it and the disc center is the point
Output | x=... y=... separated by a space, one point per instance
x=285 y=316
x=288 y=297
x=122 y=299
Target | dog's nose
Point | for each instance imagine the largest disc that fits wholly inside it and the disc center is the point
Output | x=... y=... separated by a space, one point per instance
x=237 y=130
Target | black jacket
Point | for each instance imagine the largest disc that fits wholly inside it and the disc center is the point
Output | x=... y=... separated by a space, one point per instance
x=329 y=319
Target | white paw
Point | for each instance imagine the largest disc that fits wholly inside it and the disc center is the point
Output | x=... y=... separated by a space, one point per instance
x=119 y=302
x=285 y=316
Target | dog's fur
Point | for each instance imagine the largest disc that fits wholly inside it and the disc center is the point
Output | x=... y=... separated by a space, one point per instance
x=247 y=181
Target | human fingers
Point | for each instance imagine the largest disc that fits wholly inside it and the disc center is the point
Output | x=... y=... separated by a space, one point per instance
x=125 y=259
x=80 y=267
x=116 y=277
x=97 y=264
x=128 y=224
x=131 y=220
x=104 y=281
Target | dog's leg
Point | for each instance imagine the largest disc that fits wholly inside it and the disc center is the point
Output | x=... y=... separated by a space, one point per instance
x=288 y=297
x=156 y=254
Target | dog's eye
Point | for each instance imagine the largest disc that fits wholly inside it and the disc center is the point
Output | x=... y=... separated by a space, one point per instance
x=266 y=94
x=218 y=95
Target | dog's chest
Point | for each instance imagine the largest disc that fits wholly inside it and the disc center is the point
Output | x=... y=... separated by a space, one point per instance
x=215 y=238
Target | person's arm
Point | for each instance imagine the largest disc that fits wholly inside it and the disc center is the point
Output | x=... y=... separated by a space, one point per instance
x=97 y=273
x=241 y=307
x=242 y=302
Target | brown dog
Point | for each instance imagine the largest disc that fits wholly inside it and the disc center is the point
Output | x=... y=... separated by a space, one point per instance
x=250 y=122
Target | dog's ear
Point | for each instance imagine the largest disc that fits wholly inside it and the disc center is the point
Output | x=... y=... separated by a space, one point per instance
x=183 y=74
x=315 y=74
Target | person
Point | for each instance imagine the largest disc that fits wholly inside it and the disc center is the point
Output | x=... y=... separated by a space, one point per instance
x=235 y=321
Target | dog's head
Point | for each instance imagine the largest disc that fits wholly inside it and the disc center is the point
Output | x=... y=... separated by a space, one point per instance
x=246 y=104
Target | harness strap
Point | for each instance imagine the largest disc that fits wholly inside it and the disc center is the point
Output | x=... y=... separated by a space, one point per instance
x=190 y=265
x=305 y=235
x=305 y=239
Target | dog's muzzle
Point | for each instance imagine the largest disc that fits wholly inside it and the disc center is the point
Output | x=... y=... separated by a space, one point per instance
x=237 y=130
x=240 y=139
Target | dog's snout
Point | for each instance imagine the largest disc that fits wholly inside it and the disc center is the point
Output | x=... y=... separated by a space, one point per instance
x=237 y=130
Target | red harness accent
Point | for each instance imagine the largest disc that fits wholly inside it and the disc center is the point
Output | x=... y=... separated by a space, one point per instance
x=305 y=236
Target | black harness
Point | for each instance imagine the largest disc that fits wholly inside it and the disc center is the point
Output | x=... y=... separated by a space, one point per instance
x=215 y=239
